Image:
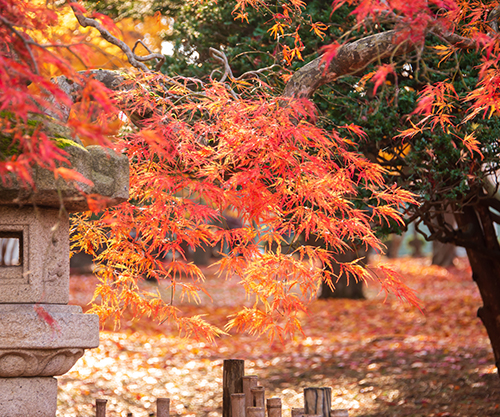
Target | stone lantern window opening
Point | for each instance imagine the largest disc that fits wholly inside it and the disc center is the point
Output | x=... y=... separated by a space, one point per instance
x=11 y=248
x=14 y=256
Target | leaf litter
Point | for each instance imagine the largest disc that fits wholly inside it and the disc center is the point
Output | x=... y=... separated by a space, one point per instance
x=380 y=358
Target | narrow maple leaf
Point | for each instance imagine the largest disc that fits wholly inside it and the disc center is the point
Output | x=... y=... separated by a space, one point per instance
x=381 y=74
x=471 y=143
x=72 y=175
x=328 y=53
x=44 y=315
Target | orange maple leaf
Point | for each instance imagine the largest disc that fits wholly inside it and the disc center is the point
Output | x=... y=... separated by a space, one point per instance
x=72 y=175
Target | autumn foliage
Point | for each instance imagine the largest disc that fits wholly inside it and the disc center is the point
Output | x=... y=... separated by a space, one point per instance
x=366 y=350
x=260 y=158
x=29 y=98
x=201 y=148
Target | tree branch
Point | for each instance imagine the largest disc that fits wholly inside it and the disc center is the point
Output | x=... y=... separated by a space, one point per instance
x=26 y=42
x=350 y=57
x=354 y=56
x=221 y=58
x=493 y=17
x=131 y=56
x=159 y=57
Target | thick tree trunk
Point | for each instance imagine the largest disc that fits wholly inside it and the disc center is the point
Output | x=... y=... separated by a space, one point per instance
x=443 y=254
x=393 y=245
x=483 y=252
x=343 y=289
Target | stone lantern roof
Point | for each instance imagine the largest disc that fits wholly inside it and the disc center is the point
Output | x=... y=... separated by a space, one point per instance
x=105 y=168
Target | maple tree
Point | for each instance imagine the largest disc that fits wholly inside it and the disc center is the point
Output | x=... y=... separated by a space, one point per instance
x=199 y=147
x=420 y=85
x=194 y=151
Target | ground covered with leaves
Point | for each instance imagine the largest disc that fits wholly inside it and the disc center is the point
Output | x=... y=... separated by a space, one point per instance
x=380 y=358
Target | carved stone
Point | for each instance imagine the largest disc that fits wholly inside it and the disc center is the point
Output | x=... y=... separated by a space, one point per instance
x=36 y=362
x=40 y=335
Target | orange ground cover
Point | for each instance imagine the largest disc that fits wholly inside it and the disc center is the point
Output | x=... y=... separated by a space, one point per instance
x=381 y=359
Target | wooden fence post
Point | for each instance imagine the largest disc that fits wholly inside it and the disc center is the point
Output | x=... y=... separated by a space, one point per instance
x=249 y=382
x=340 y=412
x=232 y=383
x=318 y=401
x=274 y=408
x=297 y=412
x=163 y=407
x=258 y=395
x=100 y=408
x=256 y=412
x=238 y=405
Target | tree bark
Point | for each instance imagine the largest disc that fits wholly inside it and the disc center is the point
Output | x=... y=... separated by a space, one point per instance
x=478 y=229
x=443 y=254
x=350 y=57
x=355 y=56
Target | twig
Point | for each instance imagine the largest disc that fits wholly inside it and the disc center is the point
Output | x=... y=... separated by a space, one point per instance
x=134 y=60
x=159 y=57
x=222 y=59
x=256 y=72
x=26 y=42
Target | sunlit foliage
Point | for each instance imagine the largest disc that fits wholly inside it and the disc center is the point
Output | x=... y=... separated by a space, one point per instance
x=201 y=147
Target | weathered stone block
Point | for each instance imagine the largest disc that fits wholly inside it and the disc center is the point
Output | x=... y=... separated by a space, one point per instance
x=108 y=171
x=28 y=397
x=25 y=327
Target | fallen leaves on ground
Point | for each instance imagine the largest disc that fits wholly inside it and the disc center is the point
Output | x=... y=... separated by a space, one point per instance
x=381 y=359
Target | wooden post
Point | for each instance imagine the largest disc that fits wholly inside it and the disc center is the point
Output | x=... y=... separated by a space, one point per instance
x=258 y=395
x=340 y=412
x=100 y=408
x=232 y=383
x=297 y=412
x=318 y=401
x=238 y=405
x=256 y=412
x=249 y=382
x=163 y=407
x=274 y=407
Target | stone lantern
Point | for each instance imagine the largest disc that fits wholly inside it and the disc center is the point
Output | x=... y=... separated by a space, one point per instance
x=41 y=336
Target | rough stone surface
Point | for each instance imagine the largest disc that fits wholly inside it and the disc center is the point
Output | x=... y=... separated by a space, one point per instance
x=43 y=276
x=28 y=397
x=25 y=326
x=108 y=171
